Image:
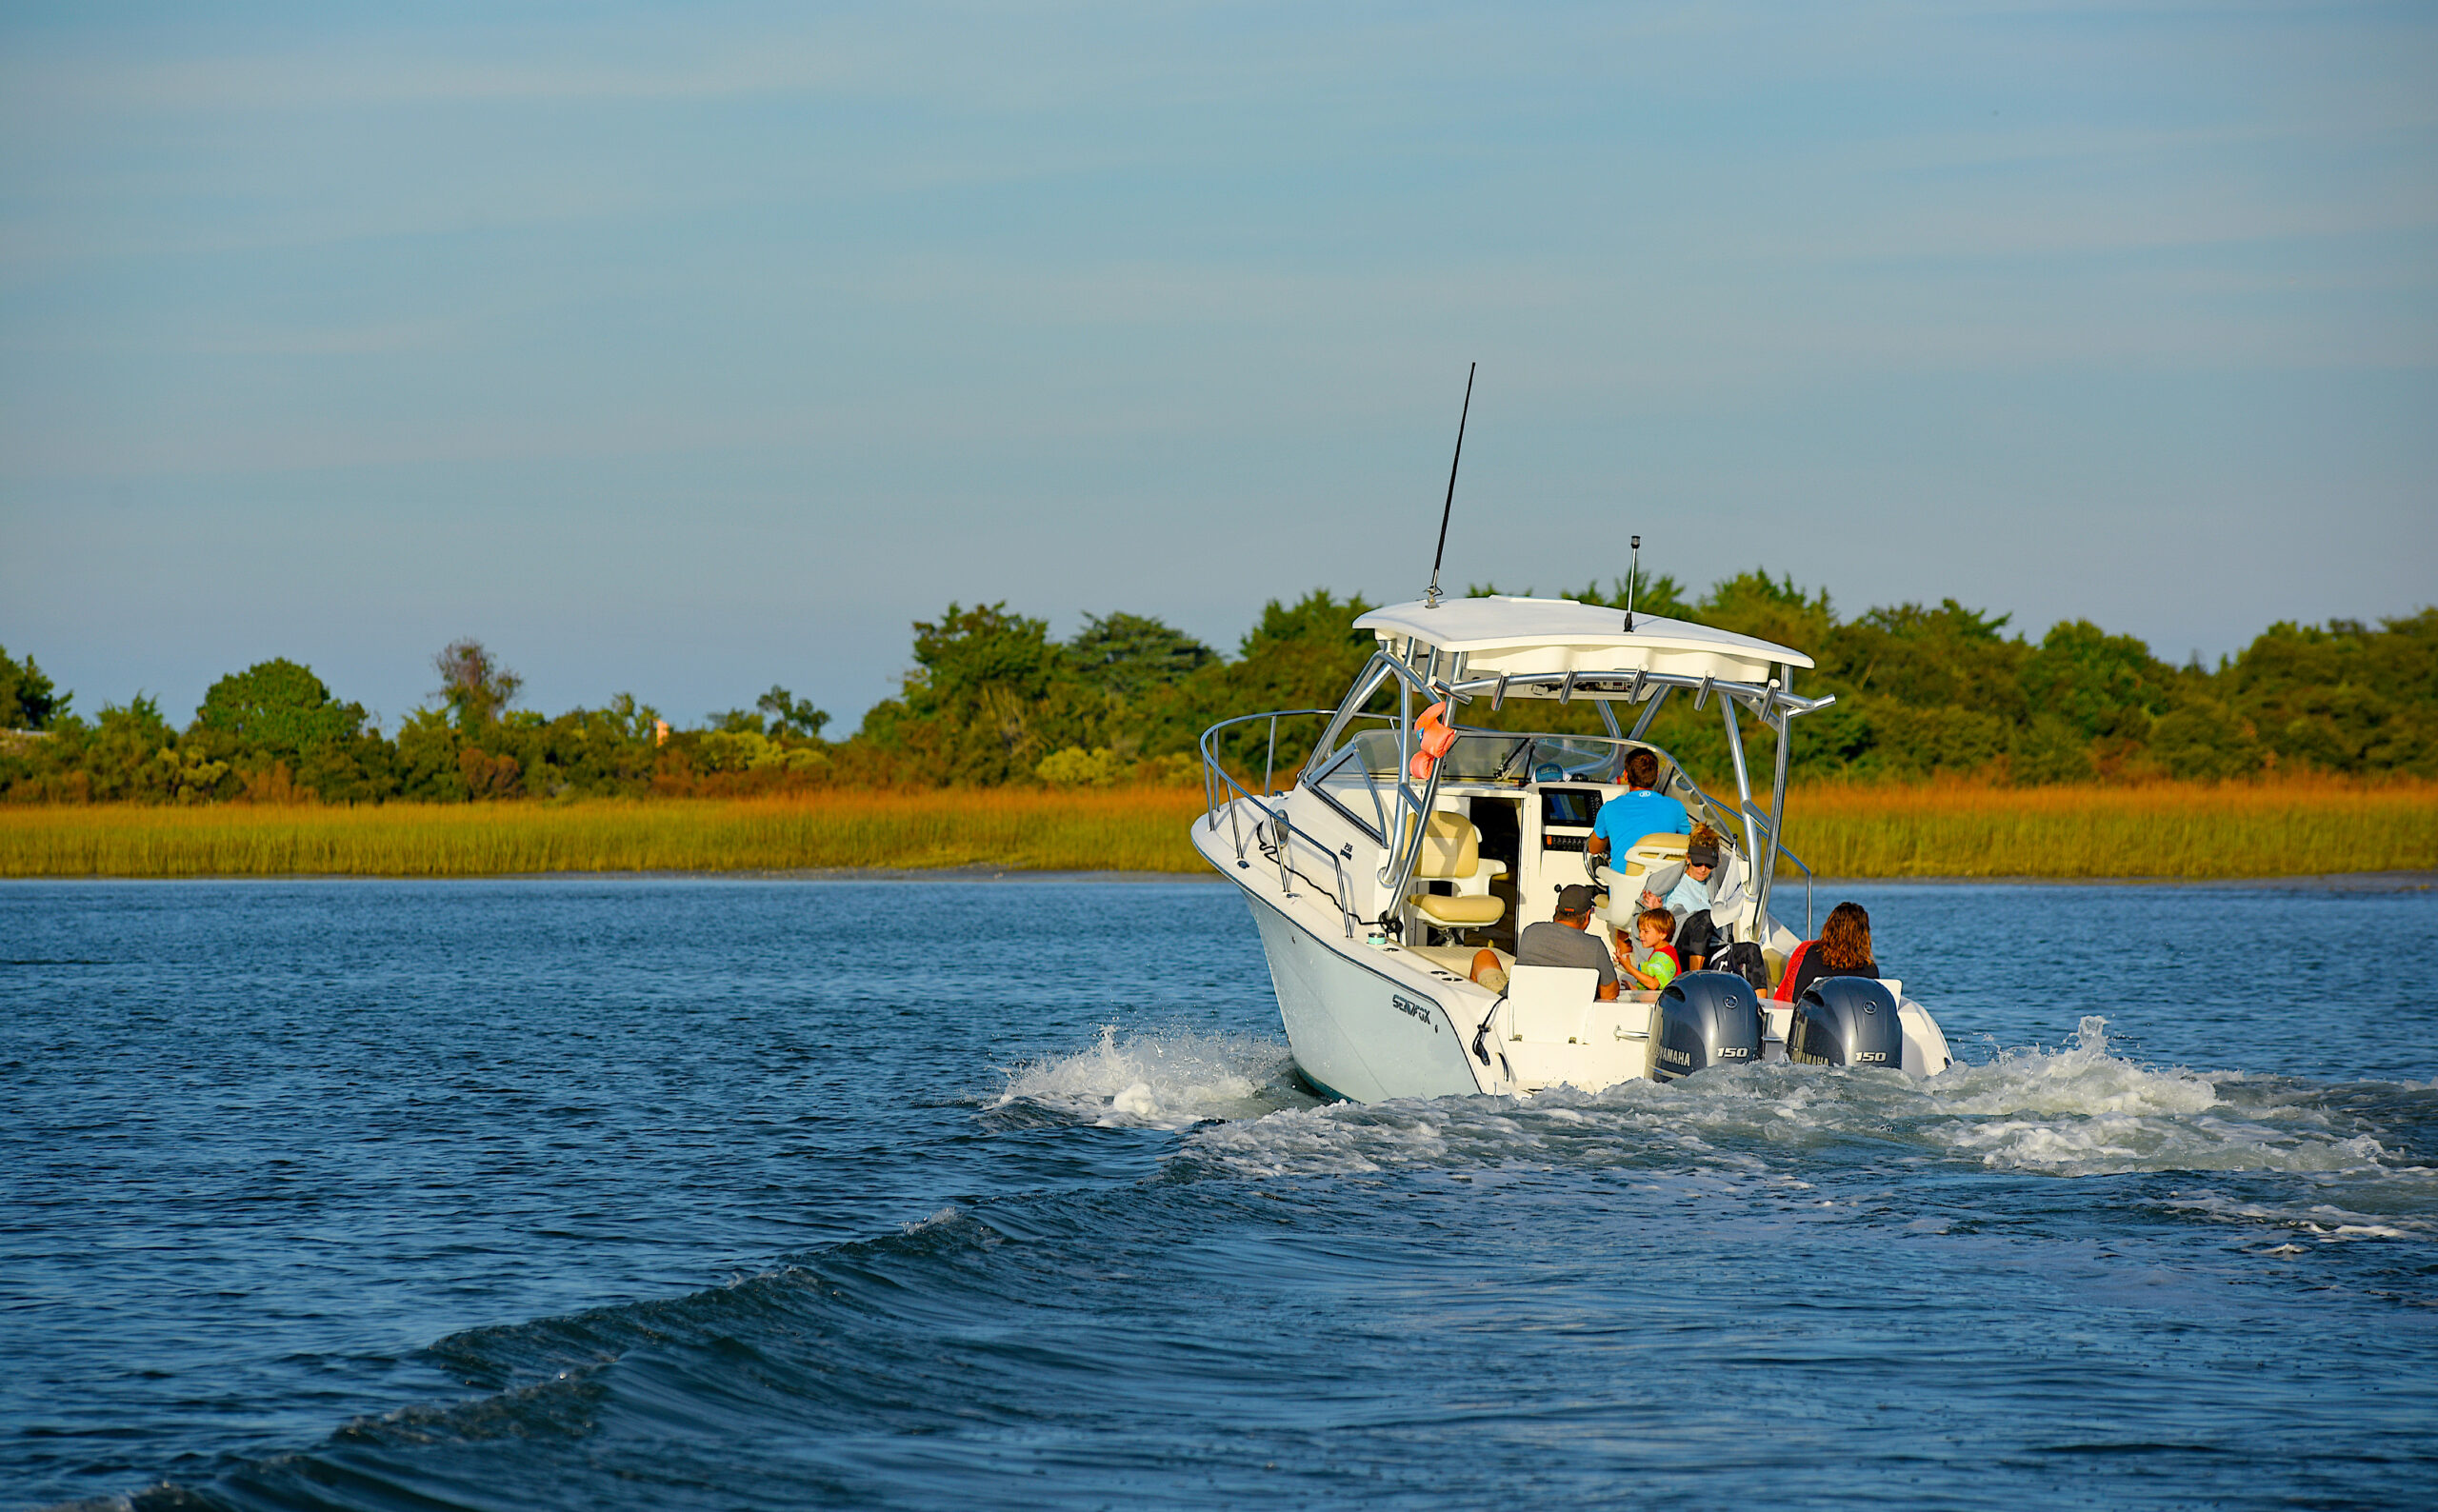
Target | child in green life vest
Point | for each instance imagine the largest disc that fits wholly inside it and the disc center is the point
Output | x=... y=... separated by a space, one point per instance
x=1655 y=965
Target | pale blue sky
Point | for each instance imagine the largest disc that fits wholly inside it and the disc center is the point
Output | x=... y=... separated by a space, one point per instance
x=685 y=350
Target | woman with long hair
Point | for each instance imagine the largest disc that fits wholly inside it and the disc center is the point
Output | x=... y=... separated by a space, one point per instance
x=1844 y=949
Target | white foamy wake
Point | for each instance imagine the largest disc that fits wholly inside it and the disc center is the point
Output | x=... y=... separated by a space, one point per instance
x=2074 y=1111
x=1172 y=1081
x=2306 y=1224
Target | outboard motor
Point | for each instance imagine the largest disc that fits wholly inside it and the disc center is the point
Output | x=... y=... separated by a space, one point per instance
x=1705 y=1019
x=1847 y=1021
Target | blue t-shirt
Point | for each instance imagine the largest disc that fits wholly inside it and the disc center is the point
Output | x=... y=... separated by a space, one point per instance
x=1632 y=815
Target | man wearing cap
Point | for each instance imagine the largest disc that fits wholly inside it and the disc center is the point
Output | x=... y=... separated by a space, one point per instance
x=1565 y=940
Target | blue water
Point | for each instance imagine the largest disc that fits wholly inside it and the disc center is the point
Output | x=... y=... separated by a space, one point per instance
x=678 y=1193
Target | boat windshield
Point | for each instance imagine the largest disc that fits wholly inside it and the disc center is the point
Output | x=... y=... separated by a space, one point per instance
x=1472 y=758
x=1588 y=759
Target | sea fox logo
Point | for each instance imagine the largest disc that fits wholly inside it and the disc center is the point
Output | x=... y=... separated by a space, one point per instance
x=1413 y=1011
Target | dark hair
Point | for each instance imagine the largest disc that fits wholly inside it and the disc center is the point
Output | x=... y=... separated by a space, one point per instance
x=1642 y=769
x=1844 y=938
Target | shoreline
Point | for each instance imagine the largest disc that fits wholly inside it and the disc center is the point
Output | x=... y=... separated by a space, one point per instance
x=2409 y=881
x=2187 y=837
x=2344 y=881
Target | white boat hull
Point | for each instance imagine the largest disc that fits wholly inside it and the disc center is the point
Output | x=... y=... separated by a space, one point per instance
x=1357 y=1030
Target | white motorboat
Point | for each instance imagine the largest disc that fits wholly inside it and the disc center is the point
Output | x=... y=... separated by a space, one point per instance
x=1379 y=873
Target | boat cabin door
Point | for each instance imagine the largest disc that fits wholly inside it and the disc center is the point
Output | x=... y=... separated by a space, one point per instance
x=1557 y=826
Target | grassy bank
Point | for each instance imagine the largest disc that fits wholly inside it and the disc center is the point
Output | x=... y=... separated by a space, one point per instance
x=1019 y=830
x=2168 y=830
x=2193 y=830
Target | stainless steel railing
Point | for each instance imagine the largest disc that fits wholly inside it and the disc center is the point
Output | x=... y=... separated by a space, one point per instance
x=1218 y=783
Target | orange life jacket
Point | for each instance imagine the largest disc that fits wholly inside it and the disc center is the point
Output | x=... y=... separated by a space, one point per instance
x=1435 y=739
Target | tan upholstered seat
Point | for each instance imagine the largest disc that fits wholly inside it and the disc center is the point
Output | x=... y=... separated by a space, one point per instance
x=1452 y=851
x=1624 y=876
x=1463 y=911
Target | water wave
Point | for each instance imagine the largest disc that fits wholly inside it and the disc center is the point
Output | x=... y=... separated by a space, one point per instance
x=1164 y=1079
x=2078 y=1110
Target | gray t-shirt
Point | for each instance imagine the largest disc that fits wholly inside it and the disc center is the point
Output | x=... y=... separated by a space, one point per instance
x=1552 y=944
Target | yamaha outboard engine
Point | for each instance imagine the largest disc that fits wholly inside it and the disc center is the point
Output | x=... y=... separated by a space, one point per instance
x=1847 y=1021
x=1705 y=1019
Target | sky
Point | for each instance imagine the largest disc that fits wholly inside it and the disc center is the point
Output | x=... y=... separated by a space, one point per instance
x=686 y=350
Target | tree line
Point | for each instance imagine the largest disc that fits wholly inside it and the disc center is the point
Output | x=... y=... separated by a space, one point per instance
x=992 y=698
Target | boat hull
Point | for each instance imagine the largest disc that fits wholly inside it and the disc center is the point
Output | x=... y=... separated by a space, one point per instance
x=1356 y=1031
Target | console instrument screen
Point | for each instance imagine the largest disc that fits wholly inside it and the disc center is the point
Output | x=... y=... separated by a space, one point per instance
x=1572 y=807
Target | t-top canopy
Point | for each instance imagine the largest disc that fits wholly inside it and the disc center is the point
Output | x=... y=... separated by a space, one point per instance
x=1520 y=637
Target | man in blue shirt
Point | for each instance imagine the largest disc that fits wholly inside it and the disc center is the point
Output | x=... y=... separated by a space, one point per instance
x=1636 y=812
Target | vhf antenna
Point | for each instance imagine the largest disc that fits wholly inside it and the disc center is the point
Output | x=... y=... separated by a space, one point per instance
x=1430 y=599
x=1633 y=581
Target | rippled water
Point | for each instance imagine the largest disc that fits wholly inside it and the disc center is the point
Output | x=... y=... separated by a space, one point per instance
x=729 y=1193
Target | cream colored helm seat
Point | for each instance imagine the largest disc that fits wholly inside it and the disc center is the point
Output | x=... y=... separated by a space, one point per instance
x=1452 y=853
x=1625 y=875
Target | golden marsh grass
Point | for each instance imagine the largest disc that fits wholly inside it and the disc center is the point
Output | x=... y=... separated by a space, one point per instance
x=2190 y=830
x=1143 y=830
x=2293 y=827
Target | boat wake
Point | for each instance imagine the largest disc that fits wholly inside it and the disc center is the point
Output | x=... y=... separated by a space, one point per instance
x=1172 y=1080
x=2362 y=1150
x=2078 y=1110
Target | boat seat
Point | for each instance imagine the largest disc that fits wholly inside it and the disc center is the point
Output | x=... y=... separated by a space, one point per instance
x=1781 y=990
x=1460 y=910
x=1625 y=876
x=1546 y=1005
x=1451 y=853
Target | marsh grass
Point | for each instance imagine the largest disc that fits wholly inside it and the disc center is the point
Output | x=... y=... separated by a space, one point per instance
x=2188 y=830
x=1134 y=830
x=2293 y=827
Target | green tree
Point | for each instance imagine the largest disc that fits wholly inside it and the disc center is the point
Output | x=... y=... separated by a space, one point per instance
x=277 y=716
x=2100 y=683
x=790 y=715
x=473 y=685
x=2343 y=697
x=979 y=700
x=277 y=708
x=121 y=754
x=1930 y=658
x=427 y=748
x=1127 y=655
x=1772 y=609
x=26 y=699
x=2203 y=738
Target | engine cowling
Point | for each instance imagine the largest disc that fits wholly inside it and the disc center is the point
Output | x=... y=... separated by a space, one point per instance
x=1847 y=1021
x=1705 y=1019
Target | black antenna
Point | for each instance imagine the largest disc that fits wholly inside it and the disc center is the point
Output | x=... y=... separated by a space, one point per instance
x=1430 y=599
x=1633 y=581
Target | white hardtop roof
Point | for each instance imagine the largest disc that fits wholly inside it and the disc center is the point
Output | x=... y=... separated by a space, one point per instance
x=1488 y=627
